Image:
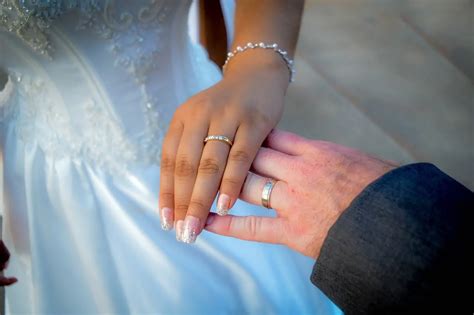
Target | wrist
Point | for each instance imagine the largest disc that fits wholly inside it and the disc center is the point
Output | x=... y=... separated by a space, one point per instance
x=351 y=186
x=317 y=242
x=260 y=63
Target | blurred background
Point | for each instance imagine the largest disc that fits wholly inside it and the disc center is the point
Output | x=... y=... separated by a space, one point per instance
x=392 y=78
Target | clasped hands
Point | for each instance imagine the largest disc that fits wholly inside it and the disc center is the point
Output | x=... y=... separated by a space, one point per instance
x=316 y=180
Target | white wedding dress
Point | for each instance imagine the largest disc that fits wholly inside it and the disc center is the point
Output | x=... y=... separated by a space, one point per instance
x=91 y=88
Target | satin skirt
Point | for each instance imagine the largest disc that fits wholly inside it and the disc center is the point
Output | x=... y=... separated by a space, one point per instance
x=85 y=241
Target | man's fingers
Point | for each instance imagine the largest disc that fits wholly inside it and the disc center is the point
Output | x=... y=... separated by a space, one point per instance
x=285 y=142
x=250 y=228
x=253 y=188
x=274 y=164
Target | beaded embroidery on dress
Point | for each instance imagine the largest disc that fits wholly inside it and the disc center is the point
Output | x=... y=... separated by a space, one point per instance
x=91 y=88
x=133 y=40
x=30 y=19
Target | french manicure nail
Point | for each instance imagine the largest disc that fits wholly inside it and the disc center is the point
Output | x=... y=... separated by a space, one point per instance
x=223 y=204
x=166 y=219
x=179 y=230
x=191 y=229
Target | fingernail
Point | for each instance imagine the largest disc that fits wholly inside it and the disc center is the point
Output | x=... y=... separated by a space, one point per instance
x=210 y=218
x=223 y=204
x=166 y=219
x=179 y=230
x=191 y=229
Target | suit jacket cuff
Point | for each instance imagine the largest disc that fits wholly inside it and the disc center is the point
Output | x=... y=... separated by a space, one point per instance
x=394 y=244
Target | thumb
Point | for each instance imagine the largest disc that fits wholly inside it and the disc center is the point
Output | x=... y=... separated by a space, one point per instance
x=250 y=228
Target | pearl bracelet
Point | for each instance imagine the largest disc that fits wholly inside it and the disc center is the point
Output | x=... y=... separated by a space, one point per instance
x=274 y=47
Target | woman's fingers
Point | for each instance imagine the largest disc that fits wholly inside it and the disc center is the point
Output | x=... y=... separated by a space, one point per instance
x=185 y=172
x=168 y=160
x=210 y=170
x=286 y=142
x=239 y=161
x=191 y=173
x=253 y=188
x=250 y=228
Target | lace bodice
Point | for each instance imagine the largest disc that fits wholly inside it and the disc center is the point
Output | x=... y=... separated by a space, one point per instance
x=96 y=80
x=31 y=20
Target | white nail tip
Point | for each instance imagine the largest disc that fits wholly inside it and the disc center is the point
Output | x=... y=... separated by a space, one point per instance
x=179 y=230
x=190 y=232
x=222 y=211
x=166 y=222
x=166 y=225
x=189 y=236
x=223 y=204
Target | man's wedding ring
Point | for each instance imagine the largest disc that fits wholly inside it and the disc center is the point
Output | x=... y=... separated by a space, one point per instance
x=218 y=138
x=267 y=191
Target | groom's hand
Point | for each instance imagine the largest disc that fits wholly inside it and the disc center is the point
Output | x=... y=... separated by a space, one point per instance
x=316 y=182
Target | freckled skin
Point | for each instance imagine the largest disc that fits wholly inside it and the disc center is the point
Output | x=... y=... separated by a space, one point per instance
x=320 y=181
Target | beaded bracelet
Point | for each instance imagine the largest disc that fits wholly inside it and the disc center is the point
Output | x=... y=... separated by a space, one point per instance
x=274 y=47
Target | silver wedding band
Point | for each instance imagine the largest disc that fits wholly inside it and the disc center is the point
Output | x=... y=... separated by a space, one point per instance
x=267 y=191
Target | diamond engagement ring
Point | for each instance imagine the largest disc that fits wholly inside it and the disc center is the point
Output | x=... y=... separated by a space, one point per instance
x=218 y=138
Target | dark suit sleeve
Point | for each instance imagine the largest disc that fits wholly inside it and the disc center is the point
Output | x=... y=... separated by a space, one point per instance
x=401 y=246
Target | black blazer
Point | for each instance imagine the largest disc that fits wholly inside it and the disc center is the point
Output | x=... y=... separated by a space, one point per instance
x=402 y=247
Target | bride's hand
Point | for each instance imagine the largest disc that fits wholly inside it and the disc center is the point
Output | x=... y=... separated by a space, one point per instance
x=316 y=182
x=244 y=107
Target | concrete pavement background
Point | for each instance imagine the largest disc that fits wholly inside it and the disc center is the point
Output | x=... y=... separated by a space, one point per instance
x=393 y=78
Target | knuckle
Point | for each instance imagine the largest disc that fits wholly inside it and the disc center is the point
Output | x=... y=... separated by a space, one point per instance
x=198 y=103
x=181 y=207
x=198 y=205
x=174 y=126
x=231 y=181
x=166 y=196
x=184 y=168
x=167 y=164
x=260 y=118
x=251 y=226
x=239 y=156
x=177 y=114
x=209 y=166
